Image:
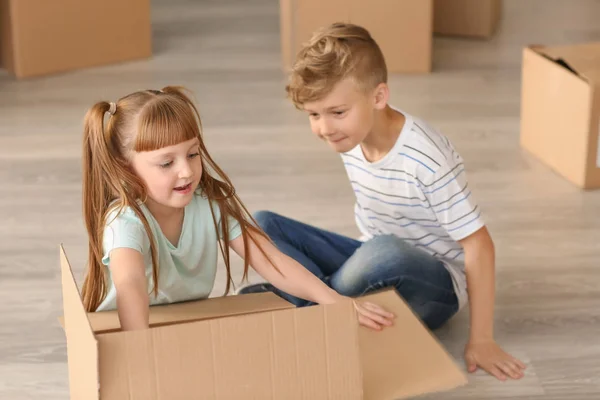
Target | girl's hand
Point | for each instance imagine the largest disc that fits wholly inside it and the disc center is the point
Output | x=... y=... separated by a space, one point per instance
x=492 y=359
x=373 y=316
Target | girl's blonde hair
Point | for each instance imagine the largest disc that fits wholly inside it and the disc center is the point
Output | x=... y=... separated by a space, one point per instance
x=145 y=121
x=333 y=53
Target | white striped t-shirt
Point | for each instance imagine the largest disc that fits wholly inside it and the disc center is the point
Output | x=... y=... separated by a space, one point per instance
x=418 y=192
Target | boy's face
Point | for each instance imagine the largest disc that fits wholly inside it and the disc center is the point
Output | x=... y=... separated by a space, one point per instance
x=345 y=117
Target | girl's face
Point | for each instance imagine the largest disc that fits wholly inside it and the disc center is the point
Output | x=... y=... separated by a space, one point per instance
x=171 y=174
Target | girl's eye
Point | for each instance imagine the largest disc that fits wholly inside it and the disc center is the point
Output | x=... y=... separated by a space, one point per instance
x=166 y=165
x=339 y=112
x=194 y=155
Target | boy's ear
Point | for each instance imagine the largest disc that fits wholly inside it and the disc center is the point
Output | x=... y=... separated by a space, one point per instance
x=381 y=96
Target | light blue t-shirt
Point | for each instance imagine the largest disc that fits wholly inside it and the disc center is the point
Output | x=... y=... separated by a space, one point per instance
x=186 y=271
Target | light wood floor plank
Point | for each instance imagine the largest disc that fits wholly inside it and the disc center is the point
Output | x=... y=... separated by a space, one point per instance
x=546 y=231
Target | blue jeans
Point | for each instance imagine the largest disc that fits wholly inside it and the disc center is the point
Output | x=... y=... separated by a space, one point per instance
x=354 y=268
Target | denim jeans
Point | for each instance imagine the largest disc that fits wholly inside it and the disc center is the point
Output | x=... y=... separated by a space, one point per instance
x=354 y=268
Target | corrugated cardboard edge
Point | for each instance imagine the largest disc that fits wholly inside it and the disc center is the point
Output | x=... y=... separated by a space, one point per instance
x=192 y=311
x=82 y=347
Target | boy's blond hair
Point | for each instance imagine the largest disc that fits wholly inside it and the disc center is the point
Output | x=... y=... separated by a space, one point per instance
x=334 y=53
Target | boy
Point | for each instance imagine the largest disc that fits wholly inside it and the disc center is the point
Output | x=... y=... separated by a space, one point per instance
x=423 y=233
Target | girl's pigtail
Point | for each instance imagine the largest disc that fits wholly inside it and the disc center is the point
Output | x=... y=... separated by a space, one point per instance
x=97 y=195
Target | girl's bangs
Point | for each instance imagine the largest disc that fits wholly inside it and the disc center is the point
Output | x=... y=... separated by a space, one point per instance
x=165 y=123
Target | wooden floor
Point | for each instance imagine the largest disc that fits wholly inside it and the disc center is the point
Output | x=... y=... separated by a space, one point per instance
x=547 y=232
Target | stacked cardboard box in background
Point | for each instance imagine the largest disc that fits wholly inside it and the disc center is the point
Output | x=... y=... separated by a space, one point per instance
x=39 y=37
x=403 y=28
x=390 y=22
x=467 y=18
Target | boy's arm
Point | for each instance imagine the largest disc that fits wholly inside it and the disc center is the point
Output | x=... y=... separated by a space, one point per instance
x=480 y=271
x=448 y=194
x=482 y=350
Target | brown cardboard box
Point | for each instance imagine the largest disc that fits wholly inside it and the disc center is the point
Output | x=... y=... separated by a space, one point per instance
x=255 y=346
x=560 y=110
x=402 y=28
x=40 y=37
x=474 y=18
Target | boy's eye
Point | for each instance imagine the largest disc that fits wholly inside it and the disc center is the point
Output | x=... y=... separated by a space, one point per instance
x=339 y=112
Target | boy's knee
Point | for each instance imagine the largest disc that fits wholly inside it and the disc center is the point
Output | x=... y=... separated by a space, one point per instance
x=386 y=243
x=383 y=250
x=347 y=285
x=352 y=279
x=266 y=220
x=381 y=261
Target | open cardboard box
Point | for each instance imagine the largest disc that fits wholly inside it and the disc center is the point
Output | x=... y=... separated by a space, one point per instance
x=560 y=110
x=255 y=346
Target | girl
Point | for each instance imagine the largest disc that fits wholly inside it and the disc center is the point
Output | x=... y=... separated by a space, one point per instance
x=156 y=205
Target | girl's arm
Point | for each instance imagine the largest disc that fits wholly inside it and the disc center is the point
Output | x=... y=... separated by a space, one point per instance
x=298 y=281
x=128 y=275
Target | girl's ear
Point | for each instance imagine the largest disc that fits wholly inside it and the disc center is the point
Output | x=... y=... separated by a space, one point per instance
x=381 y=96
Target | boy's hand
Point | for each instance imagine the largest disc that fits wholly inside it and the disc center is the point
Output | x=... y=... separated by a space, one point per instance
x=492 y=359
x=373 y=316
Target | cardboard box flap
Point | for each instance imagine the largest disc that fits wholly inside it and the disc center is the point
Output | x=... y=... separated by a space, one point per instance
x=82 y=348
x=581 y=59
x=108 y=321
x=306 y=353
x=405 y=360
